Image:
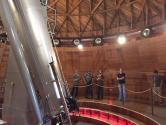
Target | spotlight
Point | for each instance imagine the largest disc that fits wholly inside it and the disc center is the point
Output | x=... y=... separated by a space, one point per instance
x=146 y=32
x=121 y=39
x=80 y=46
x=76 y=42
x=56 y=42
x=98 y=41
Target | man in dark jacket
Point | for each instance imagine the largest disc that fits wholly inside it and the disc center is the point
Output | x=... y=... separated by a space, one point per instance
x=157 y=85
x=100 y=83
x=89 y=87
x=76 y=83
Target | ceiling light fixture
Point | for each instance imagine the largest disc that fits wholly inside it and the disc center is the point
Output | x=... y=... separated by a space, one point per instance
x=146 y=32
x=76 y=42
x=80 y=46
x=56 y=42
x=121 y=39
x=98 y=41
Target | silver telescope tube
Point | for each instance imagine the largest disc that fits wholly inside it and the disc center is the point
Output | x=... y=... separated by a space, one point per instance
x=31 y=44
x=8 y=21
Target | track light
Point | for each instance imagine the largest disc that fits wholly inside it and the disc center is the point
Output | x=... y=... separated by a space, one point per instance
x=98 y=41
x=80 y=46
x=56 y=42
x=76 y=42
x=121 y=39
x=146 y=32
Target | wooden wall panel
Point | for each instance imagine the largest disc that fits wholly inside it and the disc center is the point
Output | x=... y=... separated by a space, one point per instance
x=138 y=57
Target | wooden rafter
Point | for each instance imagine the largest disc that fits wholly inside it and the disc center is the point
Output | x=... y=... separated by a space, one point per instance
x=163 y=10
x=97 y=6
x=67 y=14
x=54 y=3
x=146 y=13
x=156 y=8
x=86 y=25
x=141 y=11
x=73 y=25
x=67 y=18
x=92 y=14
x=124 y=17
x=79 y=19
x=91 y=17
x=118 y=5
x=113 y=19
x=132 y=16
x=105 y=18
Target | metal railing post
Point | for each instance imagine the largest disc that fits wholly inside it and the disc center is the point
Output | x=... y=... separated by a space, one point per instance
x=152 y=101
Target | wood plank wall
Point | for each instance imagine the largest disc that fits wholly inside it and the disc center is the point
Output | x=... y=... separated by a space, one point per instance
x=4 y=49
x=139 y=57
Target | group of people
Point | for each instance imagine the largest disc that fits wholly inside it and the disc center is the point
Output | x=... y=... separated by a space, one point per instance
x=88 y=79
x=99 y=79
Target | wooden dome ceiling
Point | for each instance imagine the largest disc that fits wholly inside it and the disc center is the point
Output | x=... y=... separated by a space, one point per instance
x=90 y=18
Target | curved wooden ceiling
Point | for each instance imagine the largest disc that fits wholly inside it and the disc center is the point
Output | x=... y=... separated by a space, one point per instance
x=90 y=18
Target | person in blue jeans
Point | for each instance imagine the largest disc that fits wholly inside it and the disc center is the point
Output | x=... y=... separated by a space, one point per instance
x=121 y=77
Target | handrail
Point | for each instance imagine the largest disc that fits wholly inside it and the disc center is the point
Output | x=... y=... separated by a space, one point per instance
x=138 y=92
x=154 y=92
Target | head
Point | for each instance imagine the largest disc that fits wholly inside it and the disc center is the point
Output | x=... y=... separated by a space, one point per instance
x=156 y=72
x=120 y=70
x=100 y=71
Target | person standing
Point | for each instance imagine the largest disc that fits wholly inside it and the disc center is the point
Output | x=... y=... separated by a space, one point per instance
x=76 y=83
x=121 y=77
x=100 y=83
x=157 y=85
x=89 y=87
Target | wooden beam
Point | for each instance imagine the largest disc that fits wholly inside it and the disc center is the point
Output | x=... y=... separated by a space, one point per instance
x=67 y=20
x=141 y=12
x=80 y=1
x=97 y=6
x=86 y=25
x=146 y=13
x=118 y=23
x=113 y=19
x=79 y=19
x=91 y=16
x=117 y=8
x=124 y=17
x=120 y=4
x=92 y=25
x=54 y=3
x=156 y=9
x=105 y=19
x=97 y=22
x=68 y=14
x=132 y=16
x=74 y=27
x=163 y=10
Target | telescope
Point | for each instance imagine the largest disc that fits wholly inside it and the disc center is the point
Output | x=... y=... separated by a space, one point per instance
x=37 y=61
